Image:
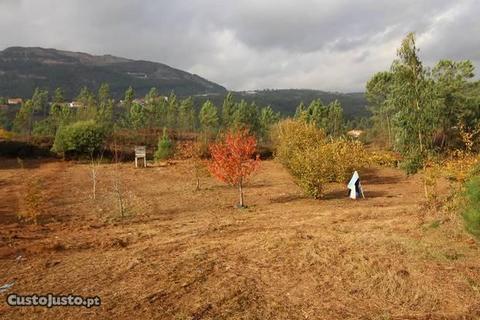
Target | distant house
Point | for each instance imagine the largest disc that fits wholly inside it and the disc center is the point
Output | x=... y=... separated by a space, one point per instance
x=14 y=101
x=143 y=102
x=3 y=106
x=355 y=133
x=139 y=101
x=75 y=104
x=138 y=75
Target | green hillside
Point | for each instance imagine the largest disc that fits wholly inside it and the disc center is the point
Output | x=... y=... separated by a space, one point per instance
x=24 y=69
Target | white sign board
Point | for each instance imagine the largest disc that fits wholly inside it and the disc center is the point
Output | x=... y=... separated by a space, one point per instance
x=355 y=186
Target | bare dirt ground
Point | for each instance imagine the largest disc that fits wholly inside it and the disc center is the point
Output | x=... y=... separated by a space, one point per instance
x=180 y=254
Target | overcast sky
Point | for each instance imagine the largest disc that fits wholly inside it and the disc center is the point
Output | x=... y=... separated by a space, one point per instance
x=252 y=44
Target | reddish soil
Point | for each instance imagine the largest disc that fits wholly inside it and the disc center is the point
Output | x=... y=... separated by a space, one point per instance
x=181 y=254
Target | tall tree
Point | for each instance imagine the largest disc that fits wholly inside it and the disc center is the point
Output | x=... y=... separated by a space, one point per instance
x=151 y=96
x=317 y=113
x=23 y=122
x=246 y=116
x=172 y=111
x=158 y=112
x=40 y=101
x=129 y=96
x=61 y=114
x=5 y=122
x=422 y=110
x=58 y=96
x=301 y=112
x=267 y=118
x=154 y=109
x=186 y=115
x=457 y=103
x=87 y=101
x=413 y=96
x=378 y=95
x=335 y=123
x=105 y=105
x=208 y=117
x=138 y=116
x=228 y=110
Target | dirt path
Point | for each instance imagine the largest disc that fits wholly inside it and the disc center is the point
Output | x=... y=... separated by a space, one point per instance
x=181 y=254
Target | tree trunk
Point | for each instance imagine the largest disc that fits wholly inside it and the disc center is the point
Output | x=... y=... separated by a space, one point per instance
x=420 y=139
x=389 y=132
x=425 y=187
x=94 y=182
x=240 y=190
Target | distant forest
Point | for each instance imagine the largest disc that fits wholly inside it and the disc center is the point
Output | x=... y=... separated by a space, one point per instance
x=285 y=101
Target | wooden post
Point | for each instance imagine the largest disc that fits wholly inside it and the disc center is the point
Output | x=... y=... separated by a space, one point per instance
x=140 y=152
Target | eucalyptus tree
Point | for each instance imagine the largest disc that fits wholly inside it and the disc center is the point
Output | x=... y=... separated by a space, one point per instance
x=378 y=94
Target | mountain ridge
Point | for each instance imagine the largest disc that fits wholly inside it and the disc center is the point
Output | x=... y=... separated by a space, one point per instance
x=24 y=68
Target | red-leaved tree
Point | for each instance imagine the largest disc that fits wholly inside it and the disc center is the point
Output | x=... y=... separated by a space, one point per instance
x=233 y=159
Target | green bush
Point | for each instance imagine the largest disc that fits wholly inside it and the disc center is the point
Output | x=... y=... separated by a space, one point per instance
x=44 y=127
x=471 y=213
x=314 y=159
x=164 y=148
x=82 y=137
x=412 y=163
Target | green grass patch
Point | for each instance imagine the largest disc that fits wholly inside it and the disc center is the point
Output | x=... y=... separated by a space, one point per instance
x=471 y=212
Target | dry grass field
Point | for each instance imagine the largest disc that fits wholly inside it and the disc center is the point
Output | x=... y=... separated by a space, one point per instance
x=181 y=254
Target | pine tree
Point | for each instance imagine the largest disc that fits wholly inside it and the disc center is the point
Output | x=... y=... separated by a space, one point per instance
x=335 y=121
x=153 y=110
x=208 y=117
x=186 y=116
x=129 y=96
x=23 y=122
x=246 y=116
x=228 y=110
x=105 y=105
x=59 y=115
x=164 y=147
x=138 y=116
x=267 y=118
x=151 y=96
x=88 y=104
x=300 y=112
x=5 y=122
x=58 y=96
x=40 y=101
x=172 y=111
x=317 y=113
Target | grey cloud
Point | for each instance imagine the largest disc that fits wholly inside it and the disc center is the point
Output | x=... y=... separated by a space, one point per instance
x=454 y=35
x=320 y=44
